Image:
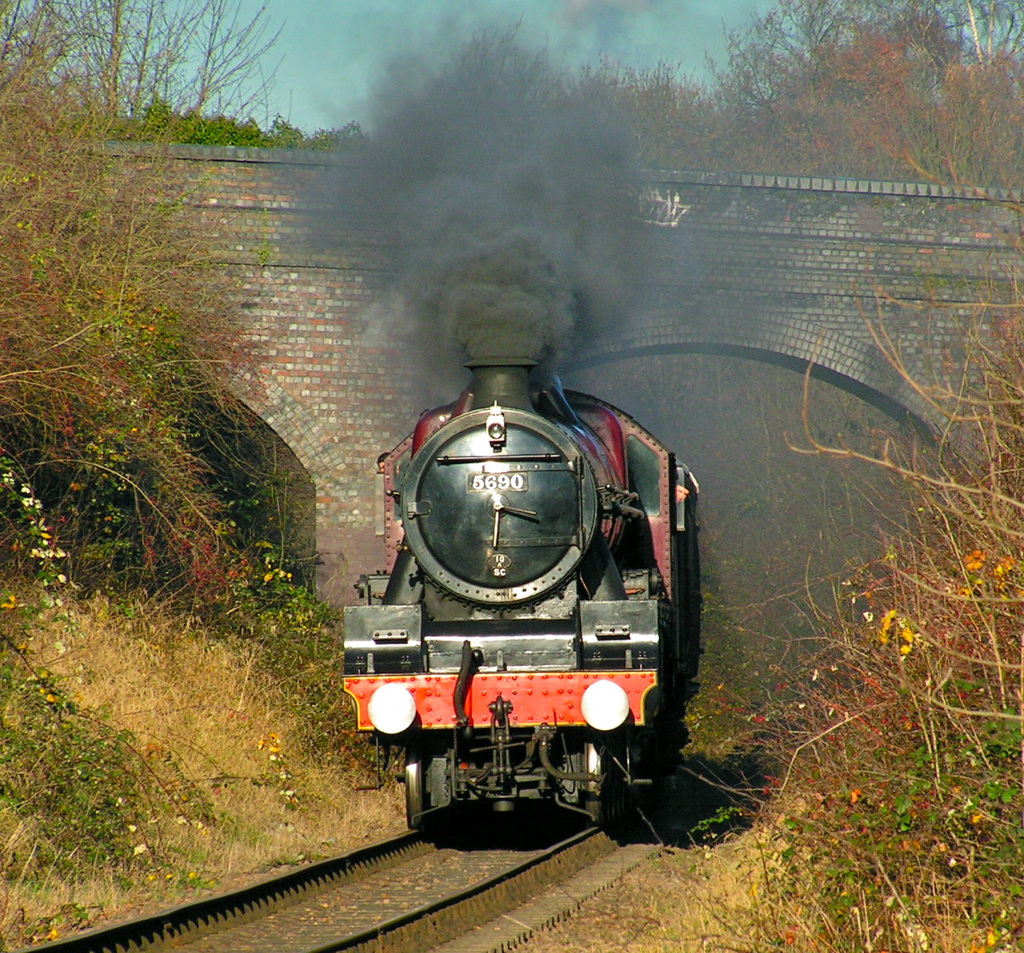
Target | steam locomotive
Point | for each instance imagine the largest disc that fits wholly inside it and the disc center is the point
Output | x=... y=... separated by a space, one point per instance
x=538 y=628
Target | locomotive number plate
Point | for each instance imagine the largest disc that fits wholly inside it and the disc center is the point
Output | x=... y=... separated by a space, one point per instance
x=498 y=482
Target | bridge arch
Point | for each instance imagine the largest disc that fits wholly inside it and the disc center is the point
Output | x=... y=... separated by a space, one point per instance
x=850 y=365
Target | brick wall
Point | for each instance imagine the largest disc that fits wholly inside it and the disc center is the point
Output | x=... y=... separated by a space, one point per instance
x=331 y=386
x=777 y=268
x=793 y=269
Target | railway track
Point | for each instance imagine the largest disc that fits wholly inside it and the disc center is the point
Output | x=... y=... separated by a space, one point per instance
x=403 y=894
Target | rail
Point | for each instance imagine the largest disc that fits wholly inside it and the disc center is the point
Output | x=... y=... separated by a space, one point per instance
x=194 y=919
x=400 y=895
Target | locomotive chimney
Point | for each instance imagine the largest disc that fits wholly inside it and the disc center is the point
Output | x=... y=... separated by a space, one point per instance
x=507 y=384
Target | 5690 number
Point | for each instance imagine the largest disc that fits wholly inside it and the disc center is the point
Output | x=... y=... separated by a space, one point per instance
x=498 y=482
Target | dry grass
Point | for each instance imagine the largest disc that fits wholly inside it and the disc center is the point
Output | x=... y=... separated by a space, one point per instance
x=212 y=732
x=722 y=899
x=694 y=900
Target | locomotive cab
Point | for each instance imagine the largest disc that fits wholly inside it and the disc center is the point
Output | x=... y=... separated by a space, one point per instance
x=538 y=623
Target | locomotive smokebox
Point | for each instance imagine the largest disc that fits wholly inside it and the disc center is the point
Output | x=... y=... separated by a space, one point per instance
x=507 y=384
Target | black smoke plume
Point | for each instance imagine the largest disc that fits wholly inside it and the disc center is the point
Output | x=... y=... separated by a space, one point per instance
x=504 y=192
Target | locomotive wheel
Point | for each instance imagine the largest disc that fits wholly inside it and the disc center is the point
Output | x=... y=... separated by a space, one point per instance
x=415 y=798
x=615 y=799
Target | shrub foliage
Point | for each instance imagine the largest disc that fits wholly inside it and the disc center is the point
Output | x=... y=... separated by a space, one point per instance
x=117 y=345
x=128 y=467
x=903 y=791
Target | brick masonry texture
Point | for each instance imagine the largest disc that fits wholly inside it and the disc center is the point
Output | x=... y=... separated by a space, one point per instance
x=795 y=269
x=783 y=268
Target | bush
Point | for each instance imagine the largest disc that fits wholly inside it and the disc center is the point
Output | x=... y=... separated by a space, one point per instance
x=62 y=777
x=160 y=123
x=904 y=791
x=118 y=343
x=131 y=471
x=77 y=794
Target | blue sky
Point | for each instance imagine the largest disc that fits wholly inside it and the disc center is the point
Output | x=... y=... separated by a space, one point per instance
x=330 y=51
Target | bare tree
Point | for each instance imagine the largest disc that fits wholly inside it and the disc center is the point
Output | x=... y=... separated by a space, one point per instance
x=127 y=54
x=989 y=28
x=231 y=49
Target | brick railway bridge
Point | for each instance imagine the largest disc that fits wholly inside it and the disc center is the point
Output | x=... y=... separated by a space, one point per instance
x=783 y=269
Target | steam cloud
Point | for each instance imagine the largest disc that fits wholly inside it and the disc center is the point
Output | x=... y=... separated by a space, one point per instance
x=504 y=193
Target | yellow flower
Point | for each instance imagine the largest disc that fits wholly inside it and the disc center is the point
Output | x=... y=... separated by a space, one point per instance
x=887 y=621
x=1002 y=570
